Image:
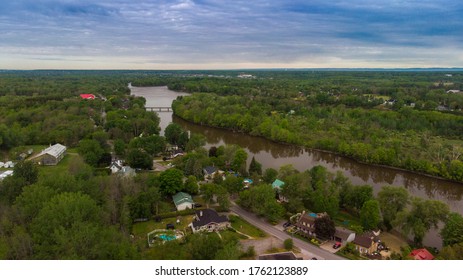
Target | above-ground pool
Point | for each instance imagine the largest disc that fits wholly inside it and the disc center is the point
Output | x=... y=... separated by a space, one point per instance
x=166 y=237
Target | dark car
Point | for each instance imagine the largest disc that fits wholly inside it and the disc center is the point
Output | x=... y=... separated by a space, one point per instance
x=337 y=245
x=197 y=205
x=287 y=224
x=170 y=226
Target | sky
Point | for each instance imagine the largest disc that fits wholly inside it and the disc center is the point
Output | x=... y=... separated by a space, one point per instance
x=230 y=34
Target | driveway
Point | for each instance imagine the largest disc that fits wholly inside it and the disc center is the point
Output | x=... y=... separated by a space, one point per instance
x=306 y=248
x=328 y=246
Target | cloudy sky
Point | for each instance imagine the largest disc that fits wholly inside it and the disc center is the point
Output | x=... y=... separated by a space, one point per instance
x=223 y=34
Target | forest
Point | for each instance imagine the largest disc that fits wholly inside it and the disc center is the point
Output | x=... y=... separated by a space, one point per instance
x=77 y=210
x=410 y=120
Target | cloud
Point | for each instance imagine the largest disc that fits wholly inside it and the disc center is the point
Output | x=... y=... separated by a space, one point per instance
x=209 y=32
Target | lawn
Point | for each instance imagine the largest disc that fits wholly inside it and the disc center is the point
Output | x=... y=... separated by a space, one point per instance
x=61 y=167
x=140 y=230
x=245 y=227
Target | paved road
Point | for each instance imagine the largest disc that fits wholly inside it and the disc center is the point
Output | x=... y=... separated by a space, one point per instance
x=312 y=250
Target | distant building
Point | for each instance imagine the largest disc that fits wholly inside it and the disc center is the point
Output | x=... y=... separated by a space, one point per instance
x=453 y=91
x=306 y=223
x=51 y=155
x=87 y=96
x=5 y=174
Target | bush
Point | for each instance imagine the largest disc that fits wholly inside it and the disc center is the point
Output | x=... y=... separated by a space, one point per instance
x=288 y=243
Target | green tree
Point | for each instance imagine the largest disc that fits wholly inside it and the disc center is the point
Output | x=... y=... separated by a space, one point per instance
x=26 y=170
x=91 y=151
x=452 y=233
x=191 y=185
x=451 y=252
x=370 y=214
x=324 y=227
x=270 y=175
x=233 y=184
x=288 y=244
x=392 y=200
x=357 y=196
x=196 y=141
x=208 y=191
x=119 y=147
x=171 y=181
x=172 y=133
x=423 y=215
x=32 y=199
x=138 y=158
x=239 y=160
x=255 y=167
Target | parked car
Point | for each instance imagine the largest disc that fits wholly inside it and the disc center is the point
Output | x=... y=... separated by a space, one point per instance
x=170 y=226
x=197 y=205
x=287 y=224
x=337 y=245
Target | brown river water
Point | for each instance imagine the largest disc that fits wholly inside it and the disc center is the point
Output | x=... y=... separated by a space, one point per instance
x=273 y=155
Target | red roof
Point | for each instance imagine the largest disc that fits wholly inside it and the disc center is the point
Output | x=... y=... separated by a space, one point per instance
x=87 y=96
x=421 y=254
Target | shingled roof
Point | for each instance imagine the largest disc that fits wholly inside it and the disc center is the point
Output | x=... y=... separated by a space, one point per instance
x=208 y=216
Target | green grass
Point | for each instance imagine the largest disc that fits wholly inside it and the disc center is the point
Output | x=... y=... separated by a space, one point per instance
x=140 y=230
x=345 y=219
x=62 y=166
x=241 y=225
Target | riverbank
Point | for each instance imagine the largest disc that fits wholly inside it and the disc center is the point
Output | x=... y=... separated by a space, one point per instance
x=394 y=168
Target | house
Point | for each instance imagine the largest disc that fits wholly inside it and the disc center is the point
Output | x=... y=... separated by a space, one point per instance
x=278 y=186
x=127 y=171
x=183 y=201
x=284 y=256
x=87 y=96
x=209 y=220
x=116 y=166
x=306 y=223
x=343 y=235
x=209 y=172
x=453 y=91
x=421 y=254
x=51 y=155
x=366 y=243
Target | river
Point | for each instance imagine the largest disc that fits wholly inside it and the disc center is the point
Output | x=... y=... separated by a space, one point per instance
x=274 y=155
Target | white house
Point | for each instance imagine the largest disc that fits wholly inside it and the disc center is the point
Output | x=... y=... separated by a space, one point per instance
x=183 y=201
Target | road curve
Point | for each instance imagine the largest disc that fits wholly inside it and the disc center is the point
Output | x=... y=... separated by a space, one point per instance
x=312 y=250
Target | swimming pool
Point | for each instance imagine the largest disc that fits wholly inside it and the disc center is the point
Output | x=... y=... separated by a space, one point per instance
x=166 y=237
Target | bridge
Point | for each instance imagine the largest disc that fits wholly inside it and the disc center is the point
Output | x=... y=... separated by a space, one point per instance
x=159 y=109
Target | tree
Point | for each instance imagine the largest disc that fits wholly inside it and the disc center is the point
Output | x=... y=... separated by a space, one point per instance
x=270 y=175
x=239 y=160
x=223 y=198
x=191 y=185
x=324 y=227
x=370 y=214
x=32 y=199
x=288 y=244
x=392 y=200
x=451 y=252
x=91 y=151
x=255 y=167
x=357 y=196
x=119 y=147
x=233 y=184
x=423 y=215
x=452 y=233
x=196 y=141
x=171 y=181
x=172 y=133
x=207 y=192
x=27 y=170
x=138 y=158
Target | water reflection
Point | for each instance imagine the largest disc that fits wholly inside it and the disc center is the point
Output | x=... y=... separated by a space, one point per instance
x=273 y=155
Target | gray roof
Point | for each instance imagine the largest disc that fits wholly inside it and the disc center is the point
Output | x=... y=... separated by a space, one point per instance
x=182 y=197
x=208 y=216
x=55 y=150
x=210 y=170
x=343 y=233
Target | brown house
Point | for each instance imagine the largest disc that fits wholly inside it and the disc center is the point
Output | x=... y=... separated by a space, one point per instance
x=306 y=223
x=366 y=243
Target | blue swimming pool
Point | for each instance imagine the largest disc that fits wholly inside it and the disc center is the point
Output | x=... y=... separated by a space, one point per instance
x=166 y=237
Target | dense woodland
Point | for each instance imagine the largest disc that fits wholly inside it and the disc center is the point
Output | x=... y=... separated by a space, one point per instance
x=401 y=119
x=77 y=210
